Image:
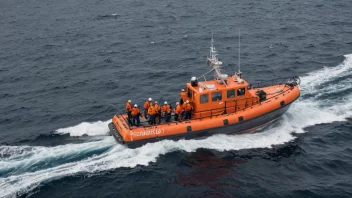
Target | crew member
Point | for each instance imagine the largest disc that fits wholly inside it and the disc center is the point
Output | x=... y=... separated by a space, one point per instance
x=135 y=115
x=147 y=104
x=151 y=114
x=183 y=96
x=157 y=112
x=188 y=110
x=129 y=111
x=183 y=114
x=167 y=111
x=178 y=112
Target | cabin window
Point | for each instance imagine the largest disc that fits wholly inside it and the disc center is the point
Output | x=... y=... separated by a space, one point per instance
x=241 y=91
x=204 y=98
x=189 y=93
x=216 y=96
x=231 y=93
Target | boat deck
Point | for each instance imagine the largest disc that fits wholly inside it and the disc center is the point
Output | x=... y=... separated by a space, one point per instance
x=144 y=122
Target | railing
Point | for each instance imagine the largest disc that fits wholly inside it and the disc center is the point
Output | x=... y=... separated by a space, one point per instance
x=277 y=81
x=231 y=106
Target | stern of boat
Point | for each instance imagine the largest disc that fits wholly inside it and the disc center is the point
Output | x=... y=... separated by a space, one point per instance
x=119 y=128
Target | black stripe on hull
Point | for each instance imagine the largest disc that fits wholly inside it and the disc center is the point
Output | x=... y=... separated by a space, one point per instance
x=226 y=129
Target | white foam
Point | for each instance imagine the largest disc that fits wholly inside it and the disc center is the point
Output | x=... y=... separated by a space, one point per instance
x=338 y=107
x=24 y=158
x=303 y=113
x=87 y=128
x=326 y=74
x=307 y=113
x=120 y=156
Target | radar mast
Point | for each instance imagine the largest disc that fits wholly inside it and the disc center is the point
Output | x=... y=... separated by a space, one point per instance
x=214 y=62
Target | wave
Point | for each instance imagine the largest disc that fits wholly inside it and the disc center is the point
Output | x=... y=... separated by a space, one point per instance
x=86 y=128
x=16 y=160
x=328 y=89
x=105 y=154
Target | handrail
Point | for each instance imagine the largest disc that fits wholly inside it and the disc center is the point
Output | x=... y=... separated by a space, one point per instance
x=271 y=82
x=236 y=105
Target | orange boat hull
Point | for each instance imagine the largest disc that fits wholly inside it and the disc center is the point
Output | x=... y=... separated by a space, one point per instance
x=238 y=121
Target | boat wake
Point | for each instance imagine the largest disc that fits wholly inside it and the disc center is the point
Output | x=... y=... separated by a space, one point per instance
x=87 y=128
x=325 y=98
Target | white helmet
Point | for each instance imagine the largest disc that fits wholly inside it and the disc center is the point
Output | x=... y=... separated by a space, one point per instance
x=156 y=102
x=150 y=99
x=182 y=89
x=177 y=103
x=165 y=102
x=129 y=101
x=135 y=105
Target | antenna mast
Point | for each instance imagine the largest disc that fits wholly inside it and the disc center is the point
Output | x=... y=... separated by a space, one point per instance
x=239 y=53
x=214 y=62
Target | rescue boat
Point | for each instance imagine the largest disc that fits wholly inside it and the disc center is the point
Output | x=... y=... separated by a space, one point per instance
x=223 y=105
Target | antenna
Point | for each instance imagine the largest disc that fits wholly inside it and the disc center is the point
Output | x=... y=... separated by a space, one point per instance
x=212 y=43
x=212 y=34
x=239 y=53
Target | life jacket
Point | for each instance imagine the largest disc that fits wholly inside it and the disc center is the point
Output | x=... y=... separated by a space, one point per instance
x=147 y=104
x=128 y=107
x=151 y=110
x=188 y=107
x=135 y=111
x=157 y=108
x=184 y=105
x=178 y=109
x=166 y=108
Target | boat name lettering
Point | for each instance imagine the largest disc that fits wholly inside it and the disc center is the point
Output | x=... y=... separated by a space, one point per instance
x=149 y=132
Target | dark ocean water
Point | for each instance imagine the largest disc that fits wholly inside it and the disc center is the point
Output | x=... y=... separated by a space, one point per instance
x=67 y=66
